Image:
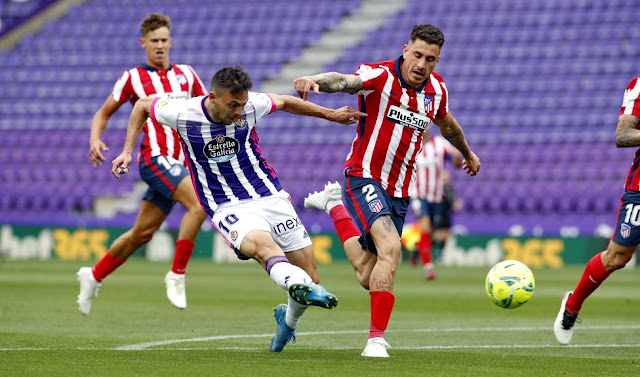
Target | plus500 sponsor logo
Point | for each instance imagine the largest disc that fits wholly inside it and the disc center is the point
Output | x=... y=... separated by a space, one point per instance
x=408 y=118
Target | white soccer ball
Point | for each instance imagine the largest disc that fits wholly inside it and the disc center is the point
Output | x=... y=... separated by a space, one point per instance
x=510 y=284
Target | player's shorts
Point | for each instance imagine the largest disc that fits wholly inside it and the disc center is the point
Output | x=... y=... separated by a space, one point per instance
x=366 y=200
x=627 y=230
x=435 y=212
x=273 y=214
x=162 y=174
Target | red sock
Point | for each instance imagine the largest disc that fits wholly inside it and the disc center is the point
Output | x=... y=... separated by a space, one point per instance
x=343 y=223
x=381 y=307
x=105 y=266
x=184 y=248
x=424 y=247
x=594 y=275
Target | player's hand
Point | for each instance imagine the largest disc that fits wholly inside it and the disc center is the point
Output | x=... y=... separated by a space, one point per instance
x=95 y=151
x=471 y=165
x=346 y=115
x=304 y=85
x=121 y=164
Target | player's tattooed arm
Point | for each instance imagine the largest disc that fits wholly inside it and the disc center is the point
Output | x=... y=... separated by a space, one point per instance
x=451 y=130
x=329 y=82
x=332 y=82
x=626 y=133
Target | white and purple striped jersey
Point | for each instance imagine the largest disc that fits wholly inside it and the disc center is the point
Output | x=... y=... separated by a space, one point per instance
x=225 y=161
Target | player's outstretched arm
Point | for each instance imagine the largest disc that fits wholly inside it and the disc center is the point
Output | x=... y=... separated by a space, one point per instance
x=293 y=105
x=626 y=133
x=98 y=125
x=139 y=115
x=329 y=82
x=451 y=130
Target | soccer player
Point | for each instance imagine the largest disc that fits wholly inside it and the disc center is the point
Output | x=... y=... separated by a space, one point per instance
x=238 y=188
x=402 y=97
x=161 y=164
x=626 y=235
x=428 y=193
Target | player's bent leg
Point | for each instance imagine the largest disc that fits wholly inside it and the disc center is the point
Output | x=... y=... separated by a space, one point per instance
x=617 y=256
x=387 y=242
x=305 y=259
x=149 y=219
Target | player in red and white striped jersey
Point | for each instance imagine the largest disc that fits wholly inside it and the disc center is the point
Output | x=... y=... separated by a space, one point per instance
x=161 y=163
x=401 y=97
x=626 y=233
x=428 y=193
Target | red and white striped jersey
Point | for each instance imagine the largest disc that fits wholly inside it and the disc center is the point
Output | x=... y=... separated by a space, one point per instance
x=429 y=182
x=179 y=81
x=631 y=106
x=390 y=136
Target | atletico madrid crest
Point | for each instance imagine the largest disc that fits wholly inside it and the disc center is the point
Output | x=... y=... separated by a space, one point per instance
x=375 y=205
x=625 y=230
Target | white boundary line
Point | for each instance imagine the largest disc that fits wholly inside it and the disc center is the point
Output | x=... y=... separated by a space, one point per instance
x=149 y=345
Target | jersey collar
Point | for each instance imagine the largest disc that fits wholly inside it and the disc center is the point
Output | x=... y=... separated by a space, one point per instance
x=206 y=113
x=397 y=65
x=153 y=69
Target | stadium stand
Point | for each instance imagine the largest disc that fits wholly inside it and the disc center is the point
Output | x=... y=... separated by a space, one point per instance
x=536 y=85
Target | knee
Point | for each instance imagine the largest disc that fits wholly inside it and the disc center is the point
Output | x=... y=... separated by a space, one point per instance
x=142 y=236
x=197 y=212
x=615 y=260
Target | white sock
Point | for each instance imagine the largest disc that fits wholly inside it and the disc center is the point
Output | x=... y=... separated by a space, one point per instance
x=284 y=274
x=295 y=310
x=331 y=204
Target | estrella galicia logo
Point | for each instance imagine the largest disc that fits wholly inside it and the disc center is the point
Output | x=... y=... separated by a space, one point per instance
x=625 y=230
x=428 y=104
x=221 y=148
x=241 y=122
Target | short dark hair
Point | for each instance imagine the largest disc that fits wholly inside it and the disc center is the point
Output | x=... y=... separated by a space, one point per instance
x=235 y=79
x=430 y=34
x=154 y=21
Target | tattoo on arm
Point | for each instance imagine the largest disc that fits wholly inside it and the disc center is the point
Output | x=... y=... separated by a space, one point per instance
x=453 y=133
x=626 y=133
x=332 y=82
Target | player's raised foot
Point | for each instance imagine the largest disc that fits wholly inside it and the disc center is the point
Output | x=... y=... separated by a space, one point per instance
x=565 y=321
x=176 y=289
x=325 y=199
x=376 y=347
x=88 y=289
x=313 y=294
x=284 y=333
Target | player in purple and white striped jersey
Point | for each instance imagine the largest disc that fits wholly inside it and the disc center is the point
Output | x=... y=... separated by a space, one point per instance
x=236 y=185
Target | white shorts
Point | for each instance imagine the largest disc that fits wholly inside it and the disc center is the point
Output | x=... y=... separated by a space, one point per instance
x=273 y=214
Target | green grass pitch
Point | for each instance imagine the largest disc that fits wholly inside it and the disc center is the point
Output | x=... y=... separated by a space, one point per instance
x=445 y=327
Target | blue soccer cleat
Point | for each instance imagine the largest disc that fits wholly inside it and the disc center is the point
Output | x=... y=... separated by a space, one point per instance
x=313 y=294
x=284 y=333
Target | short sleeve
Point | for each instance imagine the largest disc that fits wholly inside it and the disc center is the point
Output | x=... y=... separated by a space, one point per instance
x=443 y=108
x=631 y=100
x=262 y=103
x=372 y=78
x=166 y=111
x=123 y=89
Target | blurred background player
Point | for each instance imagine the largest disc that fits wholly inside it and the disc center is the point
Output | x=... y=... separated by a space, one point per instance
x=429 y=196
x=161 y=164
x=402 y=97
x=239 y=188
x=626 y=234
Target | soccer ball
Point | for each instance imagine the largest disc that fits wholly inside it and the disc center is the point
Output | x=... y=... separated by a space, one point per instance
x=510 y=284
